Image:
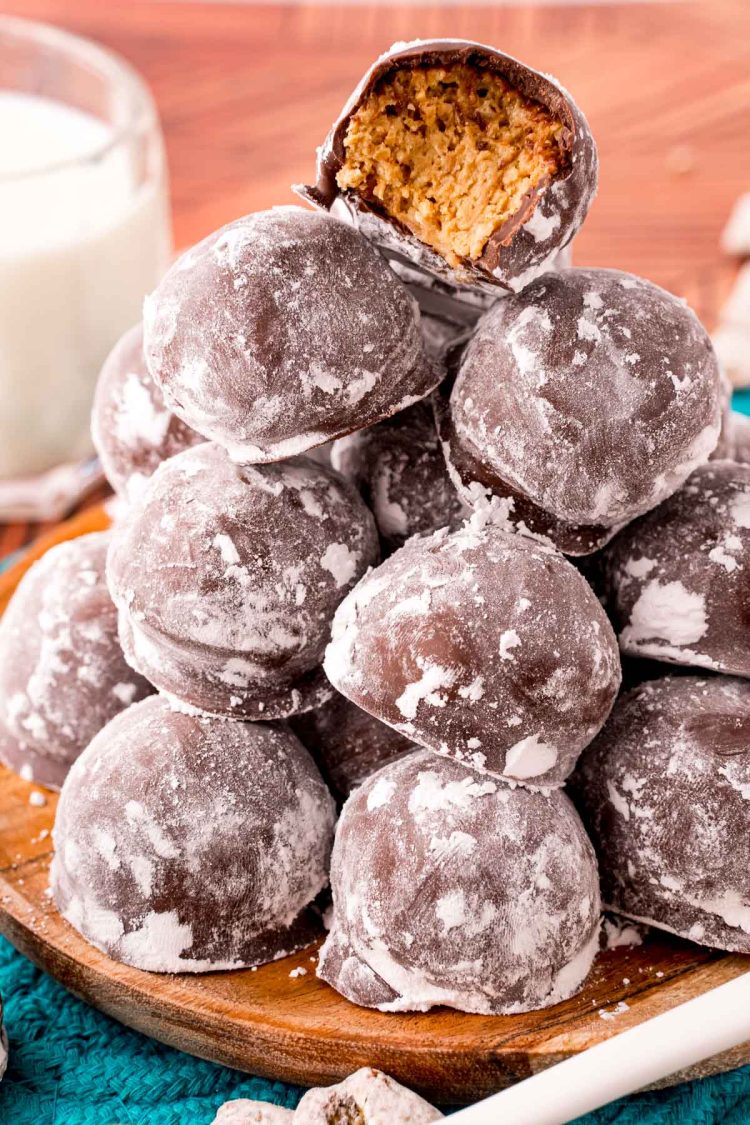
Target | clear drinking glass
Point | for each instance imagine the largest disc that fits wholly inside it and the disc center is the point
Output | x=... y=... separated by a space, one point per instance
x=84 y=232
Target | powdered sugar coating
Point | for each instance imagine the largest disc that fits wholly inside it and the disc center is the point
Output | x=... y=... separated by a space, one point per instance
x=481 y=645
x=226 y=578
x=367 y=1097
x=665 y=793
x=459 y=891
x=243 y=1111
x=184 y=844
x=676 y=579
x=132 y=428
x=62 y=671
x=592 y=396
x=399 y=468
x=281 y=331
x=347 y=743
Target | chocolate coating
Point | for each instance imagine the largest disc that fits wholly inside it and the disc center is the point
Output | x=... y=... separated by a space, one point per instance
x=453 y=889
x=481 y=645
x=281 y=331
x=550 y=214
x=132 y=429
x=188 y=844
x=591 y=398
x=676 y=578
x=400 y=470
x=62 y=671
x=663 y=791
x=227 y=577
x=347 y=743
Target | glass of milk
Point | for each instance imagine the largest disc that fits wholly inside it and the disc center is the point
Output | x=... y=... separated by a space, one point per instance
x=84 y=233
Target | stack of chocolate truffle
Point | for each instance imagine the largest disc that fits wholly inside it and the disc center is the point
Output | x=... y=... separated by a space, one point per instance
x=491 y=412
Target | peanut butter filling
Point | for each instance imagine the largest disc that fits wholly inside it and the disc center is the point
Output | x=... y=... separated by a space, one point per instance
x=450 y=152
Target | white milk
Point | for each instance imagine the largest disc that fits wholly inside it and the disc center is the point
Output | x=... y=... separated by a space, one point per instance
x=79 y=249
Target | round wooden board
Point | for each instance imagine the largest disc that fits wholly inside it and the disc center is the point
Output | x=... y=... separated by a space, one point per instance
x=296 y=1028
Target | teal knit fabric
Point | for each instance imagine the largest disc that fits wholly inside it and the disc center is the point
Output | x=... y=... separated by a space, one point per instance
x=71 y=1065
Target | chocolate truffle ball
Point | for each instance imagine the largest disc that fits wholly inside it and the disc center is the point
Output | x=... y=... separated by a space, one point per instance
x=400 y=470
x=132 y=428
x=453 y=889
x=586 y=401
x=227 y=577
x=187 y=844
x=676 y=579
x=347 y=743
x=62 y=671
x=367 y=1097
x=281 y=331
x=462 y=161
x=481 y=645
x=664 y=793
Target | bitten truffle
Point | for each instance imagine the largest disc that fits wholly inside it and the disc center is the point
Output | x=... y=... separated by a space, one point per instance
x=227 y=577
x=281 y=331
x=367 y=1097
x=462 y=161
x=675 y=580
x=586 y=401
x=188 y=844
x=481 y=645
x=664 y=793
x=400 y=470
x=62 y=671
x=453 y=889
x=347 y=743
x=132 y=428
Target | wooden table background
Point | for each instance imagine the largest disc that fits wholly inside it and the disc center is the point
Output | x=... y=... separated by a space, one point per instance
x=246 y=92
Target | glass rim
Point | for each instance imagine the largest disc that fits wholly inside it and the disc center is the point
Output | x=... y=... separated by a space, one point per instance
x=134 y=95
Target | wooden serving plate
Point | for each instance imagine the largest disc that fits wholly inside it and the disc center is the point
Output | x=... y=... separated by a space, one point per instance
x=297 y=1029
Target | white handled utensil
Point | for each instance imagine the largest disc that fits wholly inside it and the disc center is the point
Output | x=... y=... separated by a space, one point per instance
x=689 y=1033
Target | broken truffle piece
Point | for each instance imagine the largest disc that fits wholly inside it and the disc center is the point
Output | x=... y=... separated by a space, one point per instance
x=453 y=889
x=462 y=161
x=663 y=791
x=367 y=1097
x=481 y=645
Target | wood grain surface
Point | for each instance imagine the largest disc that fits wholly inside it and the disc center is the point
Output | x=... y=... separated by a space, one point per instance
x=297 y=1028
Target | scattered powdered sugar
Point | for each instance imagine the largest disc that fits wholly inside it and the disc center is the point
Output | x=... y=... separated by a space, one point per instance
x=341 y=562
x=529 y=758
x=666 y=611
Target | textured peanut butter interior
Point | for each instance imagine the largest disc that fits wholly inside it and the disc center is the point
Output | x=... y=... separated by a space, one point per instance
x=450 y=152
x=345 y=1112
